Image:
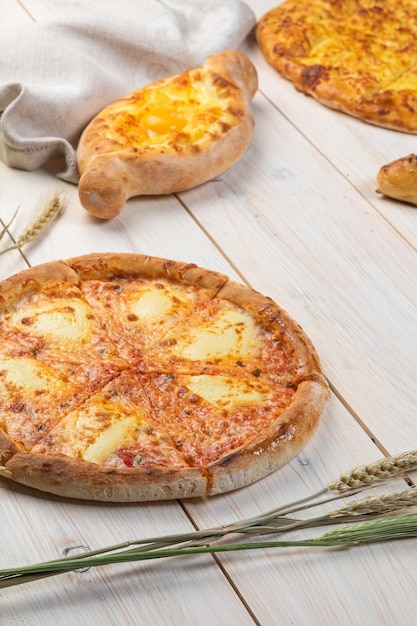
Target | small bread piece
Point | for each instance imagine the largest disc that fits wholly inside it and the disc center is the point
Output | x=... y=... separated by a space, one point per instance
x=398 y=179
x=171 y=135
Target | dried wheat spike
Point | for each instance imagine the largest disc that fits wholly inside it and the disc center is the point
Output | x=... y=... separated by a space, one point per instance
x=379 y=504
x=385 y=468
x=45 y=214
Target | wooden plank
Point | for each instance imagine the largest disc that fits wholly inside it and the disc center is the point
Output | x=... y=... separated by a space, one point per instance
x=40 y=527
x=13 y=13
x=149 y=225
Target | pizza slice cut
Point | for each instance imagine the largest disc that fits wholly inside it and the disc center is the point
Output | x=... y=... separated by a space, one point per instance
x=210 y=416
x=33 y=398
x=54 y=323
x=138 y=313
x=235 y=430
x=140 y=298
x=238 y=333
x=113 y=448
x=113 y=427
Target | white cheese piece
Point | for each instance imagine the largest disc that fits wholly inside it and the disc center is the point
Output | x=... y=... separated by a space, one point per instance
x=62 y=320
x=226 y=392
x=153 y=303
x=110 y=439
x=229 y=334
x=27 y=375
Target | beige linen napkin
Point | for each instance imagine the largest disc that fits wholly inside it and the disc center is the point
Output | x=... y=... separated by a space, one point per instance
x=56 y=75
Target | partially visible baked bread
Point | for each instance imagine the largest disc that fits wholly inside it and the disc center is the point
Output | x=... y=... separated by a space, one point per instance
x=173 y=134
x=398 y=179
x=355 y=56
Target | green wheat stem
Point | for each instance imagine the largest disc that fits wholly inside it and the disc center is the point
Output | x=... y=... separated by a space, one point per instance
x=273 y=522
x=385 y=529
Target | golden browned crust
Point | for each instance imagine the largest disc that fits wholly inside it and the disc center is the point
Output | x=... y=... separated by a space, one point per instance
x=274 y=447
x=398 y=179
x=7 y=447
x=120 y=155
x=270 y=449
x=80 y=479
x=30 y=281
x=107 y=266
x=357 y=57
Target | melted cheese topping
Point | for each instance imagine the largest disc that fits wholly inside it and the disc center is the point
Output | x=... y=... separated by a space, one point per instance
x=108 y=439
x=116 y=433
x=33 y=398
x=208 y=416
x=95 y=429
x=230 y=333
x=226 y=392
x=28 y=376
x=183 y=109
x=357 y=56
x=138 y=314
x=62 y=320
x=153 y=303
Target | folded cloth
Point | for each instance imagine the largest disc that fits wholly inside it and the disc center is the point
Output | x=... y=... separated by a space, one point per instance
x=55 y=76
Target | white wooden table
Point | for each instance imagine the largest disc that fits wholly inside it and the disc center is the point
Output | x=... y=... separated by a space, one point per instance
x=299 y=220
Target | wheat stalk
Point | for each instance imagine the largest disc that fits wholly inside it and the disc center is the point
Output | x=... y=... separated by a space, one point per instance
x=349 y=483
x=5 y=229
x=385 y=529
x=389 y=527
x=44 y=215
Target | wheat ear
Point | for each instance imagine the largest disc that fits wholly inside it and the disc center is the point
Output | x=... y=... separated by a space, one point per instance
x=386 y=468
x=378 y=505
x=46 y=212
